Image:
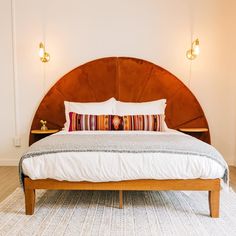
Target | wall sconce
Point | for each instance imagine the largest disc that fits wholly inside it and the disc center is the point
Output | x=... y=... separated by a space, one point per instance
x=44 y=56
x=194 y=51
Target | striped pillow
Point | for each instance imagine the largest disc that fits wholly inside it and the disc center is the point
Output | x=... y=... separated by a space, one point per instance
x=115 y=122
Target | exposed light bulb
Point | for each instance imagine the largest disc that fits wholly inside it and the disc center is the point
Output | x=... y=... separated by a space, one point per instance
x=41 y=50
x=44 y=56
x=194 y=51
x=196 y=47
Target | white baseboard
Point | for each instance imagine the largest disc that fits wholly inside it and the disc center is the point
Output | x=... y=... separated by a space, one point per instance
x=9 y=162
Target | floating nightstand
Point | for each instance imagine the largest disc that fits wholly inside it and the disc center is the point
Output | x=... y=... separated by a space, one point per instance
x=199 y=133
x=193 y=130
x=38 y=134
x=49 y=131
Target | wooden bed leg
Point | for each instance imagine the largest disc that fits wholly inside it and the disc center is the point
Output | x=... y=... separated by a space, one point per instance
x=121 y=199
x=29 y=201
x=214 y=203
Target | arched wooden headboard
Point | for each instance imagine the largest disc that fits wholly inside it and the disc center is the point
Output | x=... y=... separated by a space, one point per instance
x=126 y=79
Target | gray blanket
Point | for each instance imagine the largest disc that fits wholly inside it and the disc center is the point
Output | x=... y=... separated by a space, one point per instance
x=124 y=143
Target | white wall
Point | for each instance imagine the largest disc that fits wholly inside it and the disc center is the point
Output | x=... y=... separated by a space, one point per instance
x=7 y=124
x=77 y=31
x=230 y=71
x=212 y=74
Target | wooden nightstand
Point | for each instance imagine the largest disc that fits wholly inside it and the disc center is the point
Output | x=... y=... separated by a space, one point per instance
x=39 y=134
x=199 y=133
x=193 y=130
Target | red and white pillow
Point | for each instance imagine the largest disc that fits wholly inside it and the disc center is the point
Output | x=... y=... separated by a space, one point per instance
x=115 y=123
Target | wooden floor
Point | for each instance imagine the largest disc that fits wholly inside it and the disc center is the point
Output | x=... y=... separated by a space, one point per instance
x=9 y=180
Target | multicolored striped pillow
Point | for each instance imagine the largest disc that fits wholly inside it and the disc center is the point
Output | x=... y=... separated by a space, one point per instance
x=115 y=122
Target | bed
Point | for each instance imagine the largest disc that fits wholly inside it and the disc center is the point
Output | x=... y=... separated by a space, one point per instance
x=127 y=80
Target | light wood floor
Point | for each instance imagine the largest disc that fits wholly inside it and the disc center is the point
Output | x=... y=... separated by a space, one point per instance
x=9 y=180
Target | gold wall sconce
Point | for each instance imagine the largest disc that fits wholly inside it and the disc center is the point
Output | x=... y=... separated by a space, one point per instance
x=194 y=51
x=44 y=56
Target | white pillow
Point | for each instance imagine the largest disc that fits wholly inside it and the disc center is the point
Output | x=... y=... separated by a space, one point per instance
x=91 y=108
x=140 y=108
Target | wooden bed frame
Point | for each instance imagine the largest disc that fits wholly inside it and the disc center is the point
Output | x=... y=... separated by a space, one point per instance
x=132 y=80
x=211 y=185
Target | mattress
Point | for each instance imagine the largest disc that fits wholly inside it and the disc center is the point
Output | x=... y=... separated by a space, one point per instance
x=107 y=166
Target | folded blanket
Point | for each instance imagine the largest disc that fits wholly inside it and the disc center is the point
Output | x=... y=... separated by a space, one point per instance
x=130 y=143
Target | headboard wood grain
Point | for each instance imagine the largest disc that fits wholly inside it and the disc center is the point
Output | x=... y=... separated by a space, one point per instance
x=126 y=79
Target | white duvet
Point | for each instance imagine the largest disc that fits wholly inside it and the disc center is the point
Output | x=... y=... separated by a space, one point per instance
x=105 y=166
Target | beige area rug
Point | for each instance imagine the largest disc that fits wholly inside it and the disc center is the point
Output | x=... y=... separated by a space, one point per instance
x=97 y=213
